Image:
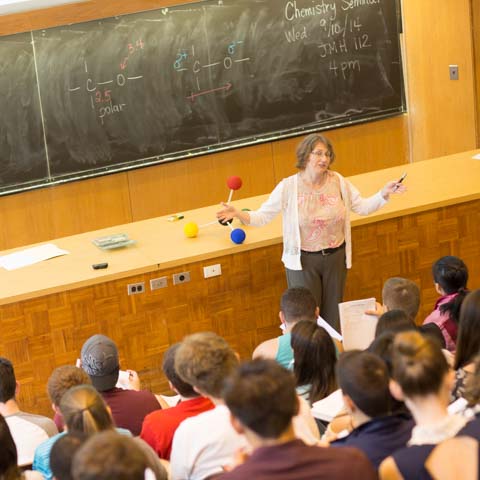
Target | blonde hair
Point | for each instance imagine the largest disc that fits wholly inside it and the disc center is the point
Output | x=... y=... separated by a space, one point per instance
x=85 y=411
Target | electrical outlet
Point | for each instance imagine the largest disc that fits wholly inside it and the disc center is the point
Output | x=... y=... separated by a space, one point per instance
x=134 y=288
x=212 y=271
x=157 y=283
x=182 y=277
x=453 y=69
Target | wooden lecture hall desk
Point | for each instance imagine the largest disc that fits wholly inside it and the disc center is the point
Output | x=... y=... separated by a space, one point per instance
x=47 y=310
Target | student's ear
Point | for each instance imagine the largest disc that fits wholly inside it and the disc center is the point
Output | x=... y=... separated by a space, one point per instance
x=317 y=312
x=439 y=289
x=56 y=409
x=396 y=390
x=281 y=316
x=17 y=389
x=237 y=425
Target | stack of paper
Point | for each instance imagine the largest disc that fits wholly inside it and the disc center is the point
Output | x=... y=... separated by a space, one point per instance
x=358 y=328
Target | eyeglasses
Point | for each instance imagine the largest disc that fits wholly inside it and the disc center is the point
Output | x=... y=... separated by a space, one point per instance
x=321 y=153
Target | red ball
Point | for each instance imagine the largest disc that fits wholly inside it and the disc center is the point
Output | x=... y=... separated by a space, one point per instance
x=234 y=183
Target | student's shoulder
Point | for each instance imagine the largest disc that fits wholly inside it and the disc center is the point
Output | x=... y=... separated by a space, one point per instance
x=267 y=349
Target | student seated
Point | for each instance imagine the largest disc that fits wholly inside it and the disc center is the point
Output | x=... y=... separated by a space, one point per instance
x=296 y=304
x=450 y=276
x=160 y=426
x=9 y=459
x=63 y=451
x=203 y=444
x=458 y=457
x=99 y=358
x=84 y=411
x=468 y=341
x=421 y=378
x=28 y=430
x=60 y=381
x=108 y=456
x=262 y=400
x=377 y=430
x=314 y=361
x=399 y=294
x=394 y=321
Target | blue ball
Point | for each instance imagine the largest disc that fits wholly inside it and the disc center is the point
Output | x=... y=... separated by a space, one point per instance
x=238 y=235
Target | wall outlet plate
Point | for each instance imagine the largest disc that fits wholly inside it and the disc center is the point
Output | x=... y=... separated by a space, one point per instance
x=182 y=277
x=135 y=288
x=212 y=271
x=157 y=283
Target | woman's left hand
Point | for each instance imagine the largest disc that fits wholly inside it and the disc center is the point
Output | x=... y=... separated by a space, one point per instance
x=393 y=187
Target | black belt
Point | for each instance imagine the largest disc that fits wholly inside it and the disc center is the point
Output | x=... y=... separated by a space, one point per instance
x=325 y=251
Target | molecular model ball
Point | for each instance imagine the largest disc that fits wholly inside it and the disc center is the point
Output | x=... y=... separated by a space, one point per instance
x=237 y=235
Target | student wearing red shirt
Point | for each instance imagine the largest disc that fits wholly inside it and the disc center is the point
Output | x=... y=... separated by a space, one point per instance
x=159 y=426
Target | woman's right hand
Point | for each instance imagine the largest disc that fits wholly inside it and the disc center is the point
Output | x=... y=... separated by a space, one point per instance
x=227 y=212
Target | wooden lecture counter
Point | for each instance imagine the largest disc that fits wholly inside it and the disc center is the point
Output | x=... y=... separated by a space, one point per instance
x=47 y=310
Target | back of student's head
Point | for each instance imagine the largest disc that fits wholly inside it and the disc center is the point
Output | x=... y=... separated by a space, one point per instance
x=261 y=395
x=64 y=378
x=363 y=376
x=168 y=367
x=394 y=321
x=382 y=346
x=8 y=453
x=297 y=304
x=84 y=410
x=451 y=274
x=8 y=383
x=468 y=339
x=401 y=294
x=108 y=456
x=62 y=453
x=419 y=366
x=204 y=360
x=432 y=331
x=314 y=358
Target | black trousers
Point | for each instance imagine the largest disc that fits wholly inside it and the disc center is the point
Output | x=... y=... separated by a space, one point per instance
x=324 y=276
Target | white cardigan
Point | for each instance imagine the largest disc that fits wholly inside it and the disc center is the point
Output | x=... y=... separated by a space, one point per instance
x=284 y=199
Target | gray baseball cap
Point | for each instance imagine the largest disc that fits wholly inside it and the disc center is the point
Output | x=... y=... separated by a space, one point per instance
x=100 y=361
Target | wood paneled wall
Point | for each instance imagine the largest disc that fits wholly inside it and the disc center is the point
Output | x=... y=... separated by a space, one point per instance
x=241 y=304
x=442 y=117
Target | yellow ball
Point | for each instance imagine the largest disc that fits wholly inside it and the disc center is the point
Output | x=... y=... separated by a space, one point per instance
x=190 y=229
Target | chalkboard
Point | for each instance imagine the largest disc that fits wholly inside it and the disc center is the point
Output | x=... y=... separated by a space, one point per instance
x=165 y=84
x=22 y=147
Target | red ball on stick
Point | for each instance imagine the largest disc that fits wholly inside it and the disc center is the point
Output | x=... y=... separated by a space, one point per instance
x=234 y=183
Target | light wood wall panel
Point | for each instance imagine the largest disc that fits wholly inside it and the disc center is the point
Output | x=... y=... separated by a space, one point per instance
x=241 y=304
x=63 y=210
x=441 y=111
x=200 y=181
